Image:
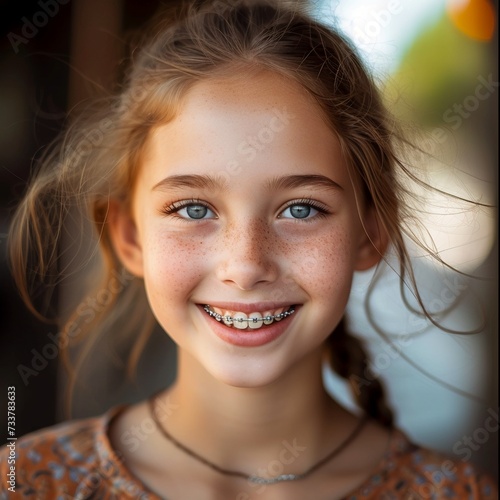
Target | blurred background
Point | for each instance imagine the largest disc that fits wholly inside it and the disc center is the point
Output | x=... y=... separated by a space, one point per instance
x=436 y=61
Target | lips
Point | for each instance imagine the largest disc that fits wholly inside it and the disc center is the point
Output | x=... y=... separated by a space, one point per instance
x=248 y=321
x=249 y=325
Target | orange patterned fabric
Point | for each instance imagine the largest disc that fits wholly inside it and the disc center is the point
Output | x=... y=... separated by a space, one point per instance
x=75 y=460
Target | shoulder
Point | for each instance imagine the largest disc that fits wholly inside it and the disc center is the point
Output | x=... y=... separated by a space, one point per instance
x=67 y=459
x=414 y=472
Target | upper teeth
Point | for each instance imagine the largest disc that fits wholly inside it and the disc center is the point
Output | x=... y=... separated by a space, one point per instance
x=243 y=321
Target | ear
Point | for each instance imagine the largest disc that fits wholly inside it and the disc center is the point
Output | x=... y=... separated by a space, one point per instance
x=125 y=238
x=373 y=242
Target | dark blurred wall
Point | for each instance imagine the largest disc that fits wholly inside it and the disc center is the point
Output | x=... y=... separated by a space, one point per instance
x=50 y=59
x=33 y=96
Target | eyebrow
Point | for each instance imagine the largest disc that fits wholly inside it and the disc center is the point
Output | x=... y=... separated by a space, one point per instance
x=297 y=181
x=191 y=181
x=212 y=183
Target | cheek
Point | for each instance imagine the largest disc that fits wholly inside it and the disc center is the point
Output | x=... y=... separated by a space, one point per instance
x=173 y=266
x=324 y=264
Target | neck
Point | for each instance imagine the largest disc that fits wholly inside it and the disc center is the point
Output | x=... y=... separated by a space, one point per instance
x=218 y=421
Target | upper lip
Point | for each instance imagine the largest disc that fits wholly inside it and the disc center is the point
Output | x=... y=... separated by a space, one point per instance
x=249 y=308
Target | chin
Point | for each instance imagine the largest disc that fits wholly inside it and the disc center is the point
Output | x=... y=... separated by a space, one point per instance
x=244 y=375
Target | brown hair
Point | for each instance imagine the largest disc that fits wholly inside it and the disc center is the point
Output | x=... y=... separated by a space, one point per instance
x=203 y=42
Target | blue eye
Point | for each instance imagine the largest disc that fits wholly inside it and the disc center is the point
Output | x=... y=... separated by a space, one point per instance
x=196 y=212
x=299 y=211
x=189 y=210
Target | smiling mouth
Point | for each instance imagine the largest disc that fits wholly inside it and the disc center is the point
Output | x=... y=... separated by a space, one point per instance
x=252 y=321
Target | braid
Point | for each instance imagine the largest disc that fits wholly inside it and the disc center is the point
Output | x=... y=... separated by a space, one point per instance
x=348 y=358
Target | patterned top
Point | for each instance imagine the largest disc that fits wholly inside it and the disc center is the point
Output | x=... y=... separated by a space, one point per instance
x=75 y=460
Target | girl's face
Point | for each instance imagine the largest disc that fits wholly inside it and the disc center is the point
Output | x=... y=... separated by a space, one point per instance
x=244 y=208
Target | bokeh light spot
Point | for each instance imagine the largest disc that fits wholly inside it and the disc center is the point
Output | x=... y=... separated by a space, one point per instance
x=474 y=18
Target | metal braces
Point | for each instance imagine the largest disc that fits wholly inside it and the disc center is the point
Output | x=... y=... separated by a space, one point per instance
x=231 y=320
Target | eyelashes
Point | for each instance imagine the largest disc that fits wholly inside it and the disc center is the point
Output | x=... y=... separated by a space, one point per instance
x=191 y=209
x=304 y=209
x=302 y=215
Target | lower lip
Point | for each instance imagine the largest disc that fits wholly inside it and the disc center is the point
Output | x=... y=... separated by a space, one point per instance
x=249 y=337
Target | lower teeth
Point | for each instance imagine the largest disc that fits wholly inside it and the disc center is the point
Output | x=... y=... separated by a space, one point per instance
x=248 y=323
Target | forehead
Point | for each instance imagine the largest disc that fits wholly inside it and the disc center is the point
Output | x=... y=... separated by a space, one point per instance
x=255 y=125
x=253 y=95
x=251 y=90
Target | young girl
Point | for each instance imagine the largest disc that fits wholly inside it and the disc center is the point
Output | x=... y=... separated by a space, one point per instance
x=242 y=176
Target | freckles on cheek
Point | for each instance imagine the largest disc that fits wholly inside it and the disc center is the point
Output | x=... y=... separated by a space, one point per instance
x=173 y=265
x=324 y=263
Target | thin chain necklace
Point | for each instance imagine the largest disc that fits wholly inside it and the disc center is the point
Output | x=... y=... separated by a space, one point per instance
x=254 y=478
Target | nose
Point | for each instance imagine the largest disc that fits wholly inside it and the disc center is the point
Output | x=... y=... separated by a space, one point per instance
x=247 y=255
